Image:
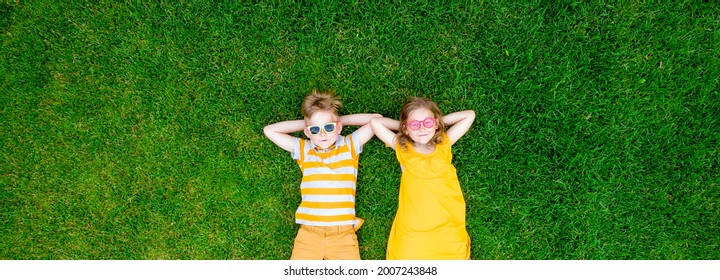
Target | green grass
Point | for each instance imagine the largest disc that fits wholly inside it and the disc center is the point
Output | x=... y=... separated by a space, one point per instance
x=134 y=131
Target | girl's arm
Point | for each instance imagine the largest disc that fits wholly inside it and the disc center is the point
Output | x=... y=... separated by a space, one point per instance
x=279 y=133
x=383 y=128
x=460 y=123
x=364 y=133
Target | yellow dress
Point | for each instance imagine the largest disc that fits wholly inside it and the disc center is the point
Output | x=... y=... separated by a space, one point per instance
x=430 y=220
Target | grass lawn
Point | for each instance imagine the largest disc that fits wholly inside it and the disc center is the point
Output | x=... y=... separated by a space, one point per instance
x=134 y=131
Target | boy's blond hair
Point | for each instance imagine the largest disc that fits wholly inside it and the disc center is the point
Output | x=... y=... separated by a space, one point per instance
x=413 y=104
x=320 y=101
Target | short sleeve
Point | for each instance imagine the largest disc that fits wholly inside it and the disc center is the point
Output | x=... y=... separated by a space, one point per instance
x=295 y=154
x=355 y=144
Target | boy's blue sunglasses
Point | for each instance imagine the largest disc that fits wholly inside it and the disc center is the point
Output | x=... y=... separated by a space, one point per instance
x=328 y=127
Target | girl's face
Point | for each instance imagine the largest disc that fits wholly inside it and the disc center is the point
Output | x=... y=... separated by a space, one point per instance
x=424 y=134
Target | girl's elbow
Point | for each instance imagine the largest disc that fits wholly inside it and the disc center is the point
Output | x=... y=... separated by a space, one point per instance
x=376 y=124
x=470 y=114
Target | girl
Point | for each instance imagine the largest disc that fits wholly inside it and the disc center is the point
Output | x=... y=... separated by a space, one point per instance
x=430 y=220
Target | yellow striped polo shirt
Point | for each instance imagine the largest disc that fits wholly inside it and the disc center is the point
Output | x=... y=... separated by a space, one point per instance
x=328 y=182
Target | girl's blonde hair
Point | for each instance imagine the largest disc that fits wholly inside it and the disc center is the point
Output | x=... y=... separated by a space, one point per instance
x=413 y=104
x=320 y=101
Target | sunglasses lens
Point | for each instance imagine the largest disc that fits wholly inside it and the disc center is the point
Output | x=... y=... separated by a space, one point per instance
x=329 y=127
x=314 y=129
x=414 y=125
x=429 y=122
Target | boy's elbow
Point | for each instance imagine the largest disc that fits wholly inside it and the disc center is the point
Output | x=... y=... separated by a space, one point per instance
x=267 y=130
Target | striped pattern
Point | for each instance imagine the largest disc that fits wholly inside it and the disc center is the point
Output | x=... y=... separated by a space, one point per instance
x=328 y=183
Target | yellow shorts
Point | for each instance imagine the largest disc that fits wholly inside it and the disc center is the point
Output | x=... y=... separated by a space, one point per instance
x=328 y=243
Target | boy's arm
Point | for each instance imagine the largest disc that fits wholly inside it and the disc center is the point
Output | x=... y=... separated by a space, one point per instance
x=383 y=128
x=358 y=119
x=460 y=123
x=279 y=133
x=364 y=133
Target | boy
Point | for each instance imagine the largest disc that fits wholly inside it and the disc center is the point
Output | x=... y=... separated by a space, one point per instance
x=329 y=163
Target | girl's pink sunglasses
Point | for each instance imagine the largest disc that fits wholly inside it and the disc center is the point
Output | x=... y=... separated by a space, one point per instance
x=427 y=123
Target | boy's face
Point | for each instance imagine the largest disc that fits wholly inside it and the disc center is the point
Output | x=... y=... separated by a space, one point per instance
x=323 y=139
x=424 y=134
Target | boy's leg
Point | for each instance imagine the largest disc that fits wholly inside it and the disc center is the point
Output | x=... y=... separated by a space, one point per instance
x=309 y=244
x=342 y=244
